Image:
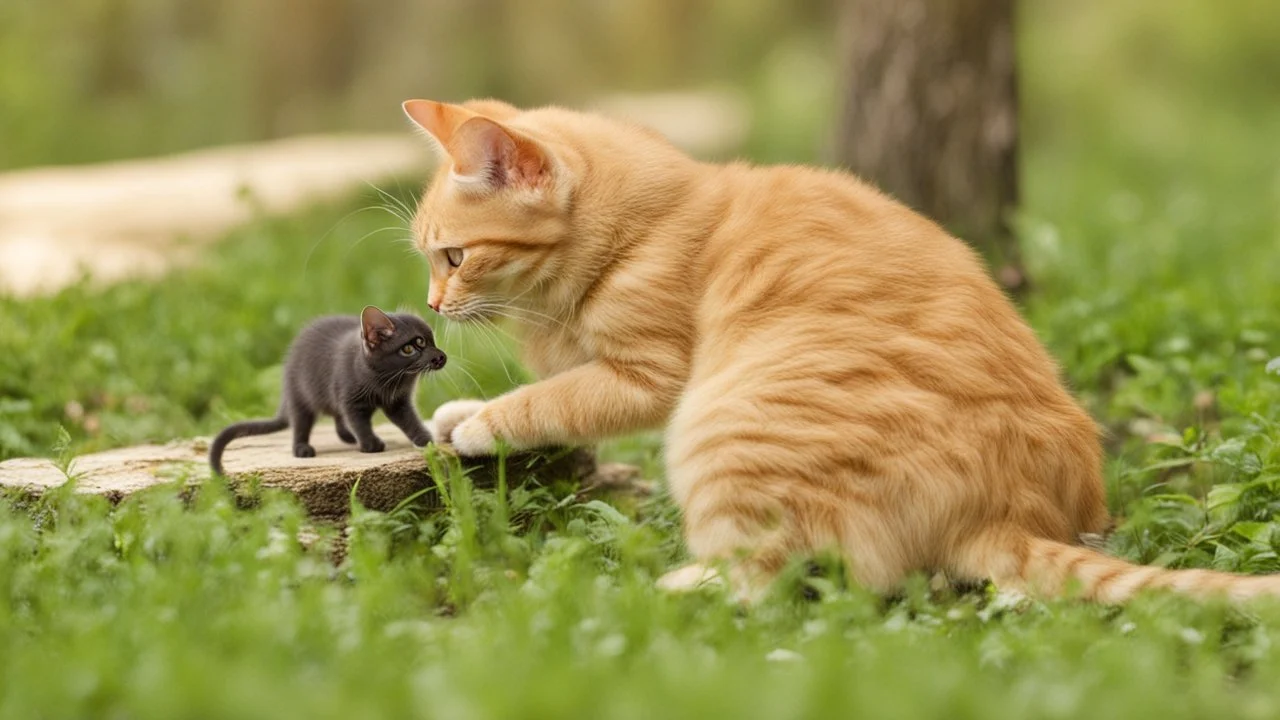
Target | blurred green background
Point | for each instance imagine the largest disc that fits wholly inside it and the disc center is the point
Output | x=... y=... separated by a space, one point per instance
x=104 y=79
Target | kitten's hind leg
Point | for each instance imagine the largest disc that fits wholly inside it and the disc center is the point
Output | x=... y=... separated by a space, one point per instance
x=360 y=422
x=344 y=434
x=302 y=421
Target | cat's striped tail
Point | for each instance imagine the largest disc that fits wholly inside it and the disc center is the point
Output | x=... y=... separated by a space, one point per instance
x=239 y=430
x=1016 y=559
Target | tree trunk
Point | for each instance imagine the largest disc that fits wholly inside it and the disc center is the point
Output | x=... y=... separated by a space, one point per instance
x=930 y=114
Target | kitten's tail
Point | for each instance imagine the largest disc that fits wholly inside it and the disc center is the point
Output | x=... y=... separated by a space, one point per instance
x=239 y=430
x=1016 y=559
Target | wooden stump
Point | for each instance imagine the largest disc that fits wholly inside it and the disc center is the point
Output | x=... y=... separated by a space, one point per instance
x=323 y=484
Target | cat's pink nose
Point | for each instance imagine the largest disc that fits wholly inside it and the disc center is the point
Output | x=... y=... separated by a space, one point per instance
x=434 y=305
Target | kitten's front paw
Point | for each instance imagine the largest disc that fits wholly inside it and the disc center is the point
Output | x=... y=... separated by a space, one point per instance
x=450 y=415
x=303 y=450
x=421 y=440
x=473 y=437
x=373 y=445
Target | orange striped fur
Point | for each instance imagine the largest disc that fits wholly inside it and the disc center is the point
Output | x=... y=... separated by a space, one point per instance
x=831 y=368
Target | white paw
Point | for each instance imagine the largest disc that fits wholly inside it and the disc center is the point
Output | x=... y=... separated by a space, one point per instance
x=689 y=578
x=473 y=437
x=449 y=416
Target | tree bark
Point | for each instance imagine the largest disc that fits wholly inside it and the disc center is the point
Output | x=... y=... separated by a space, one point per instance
x=930 y=114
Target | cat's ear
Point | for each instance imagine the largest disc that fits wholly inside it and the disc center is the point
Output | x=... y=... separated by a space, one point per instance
x=485 y=153
x=492 y=109
x=375 y=327
x=439 y=120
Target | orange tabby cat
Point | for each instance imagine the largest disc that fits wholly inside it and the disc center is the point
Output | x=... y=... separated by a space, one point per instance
x=833 y=370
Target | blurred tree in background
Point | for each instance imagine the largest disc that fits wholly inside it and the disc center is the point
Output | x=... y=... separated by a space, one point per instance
x=930 y=113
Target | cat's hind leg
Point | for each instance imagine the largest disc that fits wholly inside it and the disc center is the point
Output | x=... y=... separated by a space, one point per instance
x=757 y=494
x=344 y=433
x=302 y=420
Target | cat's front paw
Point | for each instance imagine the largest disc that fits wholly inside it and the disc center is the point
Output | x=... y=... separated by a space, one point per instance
x=373 y=445
x=689 y=578
x=450 y=415
x=303 y=450
x=473 y=438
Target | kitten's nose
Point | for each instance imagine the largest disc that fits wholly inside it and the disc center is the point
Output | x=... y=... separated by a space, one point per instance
x=434 y=305
x=438 y=361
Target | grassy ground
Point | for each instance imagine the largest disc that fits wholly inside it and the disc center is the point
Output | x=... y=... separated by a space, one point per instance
x=1151 y=227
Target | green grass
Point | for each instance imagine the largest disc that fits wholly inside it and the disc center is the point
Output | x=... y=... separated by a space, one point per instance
x=1152 y=231
x=157 y=609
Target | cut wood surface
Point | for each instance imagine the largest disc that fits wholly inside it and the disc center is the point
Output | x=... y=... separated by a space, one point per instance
x=323 y=483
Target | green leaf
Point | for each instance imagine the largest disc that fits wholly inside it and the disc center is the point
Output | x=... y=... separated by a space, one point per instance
x=1223 y=497
x=606 y=512
x=1144 y=365
x=1257 y=533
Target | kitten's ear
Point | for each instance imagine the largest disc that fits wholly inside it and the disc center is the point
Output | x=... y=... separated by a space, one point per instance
x=484 y=152
x=375 y=327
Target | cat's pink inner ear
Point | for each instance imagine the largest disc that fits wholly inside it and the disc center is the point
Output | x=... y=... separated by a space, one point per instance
x=484 y=149
x=375 y=326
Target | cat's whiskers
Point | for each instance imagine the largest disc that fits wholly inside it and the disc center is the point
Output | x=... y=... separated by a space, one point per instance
x=316 y=245
x=446 y=377
x=494 y=341
x=456 y=361
x=524 y=315
x=472 y=378
x=479 y=308
x=370 y=234
x=512 y=306
x=395 y=205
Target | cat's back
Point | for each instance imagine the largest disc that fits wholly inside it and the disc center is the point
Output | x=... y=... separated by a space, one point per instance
x=806 y=242
x=838 y=220
x=818 y=260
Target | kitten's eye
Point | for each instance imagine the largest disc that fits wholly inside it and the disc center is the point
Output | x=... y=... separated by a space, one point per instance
x=420 y=342
x=455 y=256
x=408 y=350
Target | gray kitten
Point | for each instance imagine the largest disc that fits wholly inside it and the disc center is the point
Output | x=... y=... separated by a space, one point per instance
x=348 y=367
